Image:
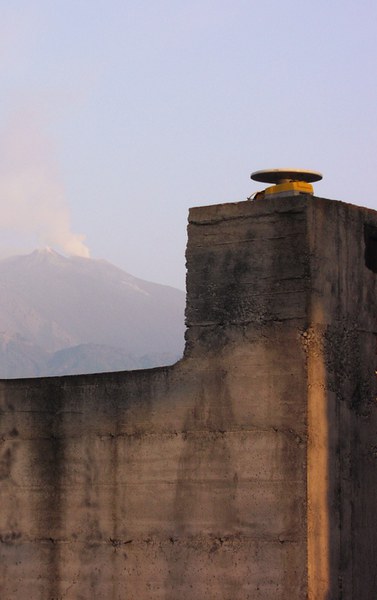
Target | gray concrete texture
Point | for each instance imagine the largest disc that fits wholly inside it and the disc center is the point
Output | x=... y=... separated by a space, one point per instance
x=245 y=471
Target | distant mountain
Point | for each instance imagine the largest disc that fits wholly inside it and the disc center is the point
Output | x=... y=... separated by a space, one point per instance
x=93 y=358
x=63 y=315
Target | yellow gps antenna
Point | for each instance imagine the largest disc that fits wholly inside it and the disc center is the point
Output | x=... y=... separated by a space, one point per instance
x=287 y=182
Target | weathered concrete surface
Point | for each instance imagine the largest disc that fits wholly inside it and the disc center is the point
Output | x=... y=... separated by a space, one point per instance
x=247 y=470
x=342 y=417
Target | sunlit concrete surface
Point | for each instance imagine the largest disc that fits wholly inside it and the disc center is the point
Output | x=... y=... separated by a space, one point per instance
x=245 y=471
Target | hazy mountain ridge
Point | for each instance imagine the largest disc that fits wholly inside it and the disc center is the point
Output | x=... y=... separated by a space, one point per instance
x=62 y=315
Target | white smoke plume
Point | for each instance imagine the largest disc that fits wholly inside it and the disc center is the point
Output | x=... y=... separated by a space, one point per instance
x=32 y=197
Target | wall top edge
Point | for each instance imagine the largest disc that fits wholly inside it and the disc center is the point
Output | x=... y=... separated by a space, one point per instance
x=245 y=208
x=90 y=379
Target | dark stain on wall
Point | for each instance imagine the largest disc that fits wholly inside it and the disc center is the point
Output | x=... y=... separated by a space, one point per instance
x=48 y=465
x=370 y=239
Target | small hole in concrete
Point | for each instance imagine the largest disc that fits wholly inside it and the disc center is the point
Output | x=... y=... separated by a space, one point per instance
x=370 y=239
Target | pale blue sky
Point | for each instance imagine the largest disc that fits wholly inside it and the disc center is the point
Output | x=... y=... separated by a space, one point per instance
x=117 y=116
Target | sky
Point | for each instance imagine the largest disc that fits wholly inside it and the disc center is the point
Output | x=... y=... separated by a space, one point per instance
x=116 y=116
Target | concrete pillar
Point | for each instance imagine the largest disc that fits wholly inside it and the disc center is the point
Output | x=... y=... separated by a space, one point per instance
x=298 y=275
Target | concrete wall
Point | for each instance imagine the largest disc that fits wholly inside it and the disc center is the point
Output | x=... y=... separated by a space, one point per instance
x=245 y=471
